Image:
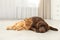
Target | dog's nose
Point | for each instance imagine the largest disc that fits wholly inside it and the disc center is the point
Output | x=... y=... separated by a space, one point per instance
x=41 y=32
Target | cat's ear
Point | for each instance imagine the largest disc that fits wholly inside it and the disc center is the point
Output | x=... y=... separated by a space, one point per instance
x=52 y=28
x=25 y=19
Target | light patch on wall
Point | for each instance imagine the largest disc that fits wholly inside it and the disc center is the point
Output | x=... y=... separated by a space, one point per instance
x=27 y=3
x=33 y=3
x=55 y=9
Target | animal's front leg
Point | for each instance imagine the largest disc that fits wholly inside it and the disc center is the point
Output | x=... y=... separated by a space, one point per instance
x=10 y=28
x=33 y=29
x=54 y=29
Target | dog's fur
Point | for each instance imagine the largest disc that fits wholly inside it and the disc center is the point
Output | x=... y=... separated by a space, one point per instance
x=36 y=24
x=39 y=25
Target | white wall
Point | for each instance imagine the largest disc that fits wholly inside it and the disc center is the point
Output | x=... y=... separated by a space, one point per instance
x=27 y=8
x=27 y=3
x=7 y=9
x=55 y=9
x=10 y=9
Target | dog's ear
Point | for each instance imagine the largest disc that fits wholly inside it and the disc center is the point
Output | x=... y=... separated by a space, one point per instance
x=54 y=29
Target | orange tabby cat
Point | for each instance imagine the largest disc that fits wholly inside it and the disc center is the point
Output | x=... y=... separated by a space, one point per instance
x=22 y=25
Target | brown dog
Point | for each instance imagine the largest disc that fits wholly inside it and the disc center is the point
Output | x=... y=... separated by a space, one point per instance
x=36 y=24
x=39 y=25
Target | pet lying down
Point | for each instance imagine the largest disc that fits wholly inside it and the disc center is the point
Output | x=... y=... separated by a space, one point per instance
x=36 y=24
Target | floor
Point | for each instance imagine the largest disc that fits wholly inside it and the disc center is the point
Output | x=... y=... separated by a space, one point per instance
x=28 y=35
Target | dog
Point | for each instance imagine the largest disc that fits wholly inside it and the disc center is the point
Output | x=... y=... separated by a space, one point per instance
x=40 y=26
x=36 y=24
